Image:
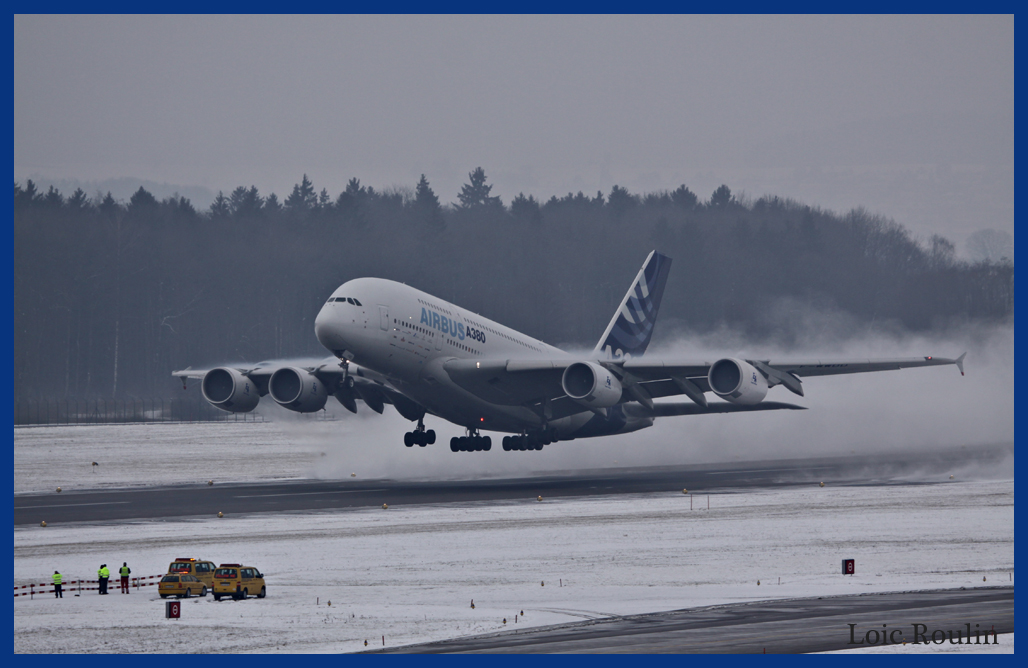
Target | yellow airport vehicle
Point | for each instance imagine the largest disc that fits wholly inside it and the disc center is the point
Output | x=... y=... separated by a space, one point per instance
x=199 y=568
x=239 y=582
x=183 y=586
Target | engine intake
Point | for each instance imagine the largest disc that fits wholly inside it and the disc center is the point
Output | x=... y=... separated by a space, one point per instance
x=229 y=390
x=298 y=390
x=737 y=381
x=591 y=385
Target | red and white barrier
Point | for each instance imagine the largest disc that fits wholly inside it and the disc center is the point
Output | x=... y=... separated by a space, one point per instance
x=77 y=585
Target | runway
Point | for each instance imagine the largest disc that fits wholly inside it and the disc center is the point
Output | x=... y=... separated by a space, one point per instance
x=772 y=627
x=315 y=495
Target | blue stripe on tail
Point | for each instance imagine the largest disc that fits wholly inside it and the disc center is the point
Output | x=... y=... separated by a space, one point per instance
x=629 y=332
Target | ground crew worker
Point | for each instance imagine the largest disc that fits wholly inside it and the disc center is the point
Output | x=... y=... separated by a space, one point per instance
x=124 y=570
x=58 y=591
x=103 y=575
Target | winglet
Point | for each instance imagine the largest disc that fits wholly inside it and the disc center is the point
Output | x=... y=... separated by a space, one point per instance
x=960 y=363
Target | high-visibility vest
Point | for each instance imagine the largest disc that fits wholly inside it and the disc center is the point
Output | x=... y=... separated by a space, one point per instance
x=105 y=572
x=125 y=570
x=57 y=578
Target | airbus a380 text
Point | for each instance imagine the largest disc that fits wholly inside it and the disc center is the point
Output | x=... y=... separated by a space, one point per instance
x=394 y=344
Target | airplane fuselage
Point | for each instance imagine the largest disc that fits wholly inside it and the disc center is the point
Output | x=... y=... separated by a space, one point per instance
x=406 y=335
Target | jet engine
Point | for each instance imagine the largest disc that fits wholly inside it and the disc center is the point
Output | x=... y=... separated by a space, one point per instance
x=229 y=390
x=736 y=381
x=591 y=385
x=297 y=390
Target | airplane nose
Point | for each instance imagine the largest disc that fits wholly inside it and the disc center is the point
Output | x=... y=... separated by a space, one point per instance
x=327 y=327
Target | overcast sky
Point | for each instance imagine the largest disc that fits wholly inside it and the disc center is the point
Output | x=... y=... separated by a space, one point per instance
x=912 y=117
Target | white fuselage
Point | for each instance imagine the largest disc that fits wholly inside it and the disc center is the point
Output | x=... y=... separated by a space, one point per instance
x=406 y=335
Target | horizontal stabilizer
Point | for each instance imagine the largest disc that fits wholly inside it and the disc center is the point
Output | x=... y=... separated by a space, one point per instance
x=673 y=409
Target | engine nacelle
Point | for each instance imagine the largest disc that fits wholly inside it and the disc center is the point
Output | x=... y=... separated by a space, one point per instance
x=736 y=381
x=229 y=390
x=591 y=385
x=297 y=390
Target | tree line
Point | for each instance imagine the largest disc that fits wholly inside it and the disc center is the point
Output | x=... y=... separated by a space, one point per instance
x=111 y=296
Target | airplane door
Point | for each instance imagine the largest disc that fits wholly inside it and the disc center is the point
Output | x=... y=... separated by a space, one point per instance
x=438 y=341
x=383 y=312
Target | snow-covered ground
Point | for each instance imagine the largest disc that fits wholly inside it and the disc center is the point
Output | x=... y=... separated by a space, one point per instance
x=410 y=573
x=131 y=455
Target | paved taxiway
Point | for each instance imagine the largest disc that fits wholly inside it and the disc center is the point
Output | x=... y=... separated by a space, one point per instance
x=775 y=627
x=314 y=495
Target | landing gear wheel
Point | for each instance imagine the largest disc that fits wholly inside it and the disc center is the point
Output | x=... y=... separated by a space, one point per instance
x=431 y=436
x=506 y=443
x=264 y=592
x=454 y=444
x=487 y=443
x=408 y=439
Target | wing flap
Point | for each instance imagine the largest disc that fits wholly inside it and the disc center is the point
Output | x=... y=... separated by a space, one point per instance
x=689 y=408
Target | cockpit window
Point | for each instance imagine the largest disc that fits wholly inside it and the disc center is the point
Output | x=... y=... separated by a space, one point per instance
x=350 y=300
x=357 y=302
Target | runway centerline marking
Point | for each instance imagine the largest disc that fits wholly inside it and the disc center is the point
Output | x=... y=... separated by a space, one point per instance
x=66 y=505
x=343 y=491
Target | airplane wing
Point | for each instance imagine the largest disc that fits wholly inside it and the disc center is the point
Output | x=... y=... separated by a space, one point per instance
x=539 y=382
x=346 y=384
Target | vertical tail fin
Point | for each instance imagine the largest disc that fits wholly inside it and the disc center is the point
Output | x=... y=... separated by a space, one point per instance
x=629 y=331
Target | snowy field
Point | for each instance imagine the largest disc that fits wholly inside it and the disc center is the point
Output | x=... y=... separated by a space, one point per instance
x=130 y=455
x=410 y=573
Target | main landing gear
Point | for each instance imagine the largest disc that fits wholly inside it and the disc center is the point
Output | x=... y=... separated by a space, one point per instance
x=534 y=441
x=419 y=436
x=471 y=443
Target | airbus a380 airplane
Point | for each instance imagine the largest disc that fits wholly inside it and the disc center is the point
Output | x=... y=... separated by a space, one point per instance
x=394 y=344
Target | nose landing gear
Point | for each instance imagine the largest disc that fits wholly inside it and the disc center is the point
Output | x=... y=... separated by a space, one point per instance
x=420 y=436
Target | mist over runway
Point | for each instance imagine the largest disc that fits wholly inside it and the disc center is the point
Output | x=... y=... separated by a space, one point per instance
x=200 y=499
